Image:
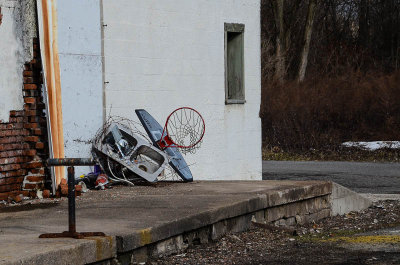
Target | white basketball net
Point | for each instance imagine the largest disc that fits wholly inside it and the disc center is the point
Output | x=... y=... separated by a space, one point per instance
x=186 y=128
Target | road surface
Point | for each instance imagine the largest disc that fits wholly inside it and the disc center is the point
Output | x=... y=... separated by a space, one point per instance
x=376 y=178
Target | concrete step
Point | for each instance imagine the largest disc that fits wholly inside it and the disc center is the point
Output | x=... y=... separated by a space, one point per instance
x=151 y=221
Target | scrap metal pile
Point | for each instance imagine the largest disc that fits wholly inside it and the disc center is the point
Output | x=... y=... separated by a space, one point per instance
x=128 y=156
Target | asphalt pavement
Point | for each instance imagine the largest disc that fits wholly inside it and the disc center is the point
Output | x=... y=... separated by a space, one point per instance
x=362 y=177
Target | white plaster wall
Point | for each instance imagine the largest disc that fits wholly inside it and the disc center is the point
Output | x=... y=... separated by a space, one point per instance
x=16 y=32
x=79 y=43
x=160 y=55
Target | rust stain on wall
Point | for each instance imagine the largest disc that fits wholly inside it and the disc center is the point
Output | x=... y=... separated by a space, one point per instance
x=52 y=75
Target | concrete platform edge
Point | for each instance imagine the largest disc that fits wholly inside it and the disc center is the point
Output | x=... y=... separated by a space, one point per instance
x=150 y=235
x=286 y=206
x=344 y=200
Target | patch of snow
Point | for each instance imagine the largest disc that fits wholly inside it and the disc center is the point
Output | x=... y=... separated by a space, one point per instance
x=372 y=146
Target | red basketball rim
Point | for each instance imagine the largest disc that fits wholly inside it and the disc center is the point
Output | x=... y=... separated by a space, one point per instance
x=170 y=141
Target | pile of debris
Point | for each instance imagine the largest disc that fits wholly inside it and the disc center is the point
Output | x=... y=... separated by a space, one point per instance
x=128 y=156
x=62 y=190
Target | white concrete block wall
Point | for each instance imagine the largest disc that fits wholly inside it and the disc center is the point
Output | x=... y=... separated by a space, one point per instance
x=79 y=43
x=16 y=33
x=161 y=55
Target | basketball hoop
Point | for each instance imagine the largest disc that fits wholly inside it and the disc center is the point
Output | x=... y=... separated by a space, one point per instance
x=184 y=129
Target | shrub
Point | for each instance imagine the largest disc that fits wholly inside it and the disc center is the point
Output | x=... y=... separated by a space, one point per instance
x=324 y=112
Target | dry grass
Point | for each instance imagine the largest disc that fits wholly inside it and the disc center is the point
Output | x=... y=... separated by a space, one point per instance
x=321 y=113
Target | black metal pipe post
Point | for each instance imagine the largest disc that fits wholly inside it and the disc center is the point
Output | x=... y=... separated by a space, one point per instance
x=71 y=162
x=71 y=200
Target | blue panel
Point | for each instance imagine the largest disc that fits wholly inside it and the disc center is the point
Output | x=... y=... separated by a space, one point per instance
x=154 y=130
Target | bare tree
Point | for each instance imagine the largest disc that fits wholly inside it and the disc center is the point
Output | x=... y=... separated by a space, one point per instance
x=329 y=37
x=363 y=23
x=280 y=68
x=307 y=39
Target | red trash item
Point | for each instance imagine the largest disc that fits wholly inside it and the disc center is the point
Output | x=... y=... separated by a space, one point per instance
x=101 y=181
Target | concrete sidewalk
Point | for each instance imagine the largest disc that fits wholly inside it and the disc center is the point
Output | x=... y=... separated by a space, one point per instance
x=136 y=217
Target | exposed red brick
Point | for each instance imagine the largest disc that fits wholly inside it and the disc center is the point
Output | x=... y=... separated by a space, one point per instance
x=21 y=137
x=31 y=125
x=3 y=181
x=35 y=164
x=12 y=187
x=30 y=113
x=5 y=126
x=28 y=73
x=32 y=193
x=10 y=167
x=29 y=100
x=39 y=171
x=37 y=131
x=30 y=186
x=31 y=152
x=63 y=182
x=29 y=80
x=18 y=180
x=33 y=119
x=39 y=145
x=16 y=198
x=46 y=194
x=31 y=138
x=30 y=86
x=13 y=132
x=20 y=146
x=25 y=193
x=7 y=160
x=10 y=126
x=7 y=181
x=17 y=173
x=11 y=153
x=64 y=190
x=32 y=93
x=12 y=160
x=11 y=139
x=35 y=178
x=38 y=106
x=78 y=188
x=4 y=196
x=30 y=107
x=17 y=119
x=16 y=113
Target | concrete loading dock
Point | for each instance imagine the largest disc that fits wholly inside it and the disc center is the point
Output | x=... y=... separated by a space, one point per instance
x=148 y=221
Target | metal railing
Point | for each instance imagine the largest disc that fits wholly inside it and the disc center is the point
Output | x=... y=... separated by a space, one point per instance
x=71 y=163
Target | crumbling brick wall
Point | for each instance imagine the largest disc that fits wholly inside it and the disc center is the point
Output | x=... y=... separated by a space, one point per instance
x=23 y=140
